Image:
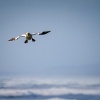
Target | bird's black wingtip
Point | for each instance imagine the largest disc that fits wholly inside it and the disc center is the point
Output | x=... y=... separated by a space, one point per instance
x=12 y=39
x=44 y=32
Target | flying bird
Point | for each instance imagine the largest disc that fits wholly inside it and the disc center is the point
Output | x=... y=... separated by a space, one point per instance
x=28 y=36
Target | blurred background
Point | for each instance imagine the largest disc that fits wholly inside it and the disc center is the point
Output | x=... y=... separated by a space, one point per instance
x=71 y=49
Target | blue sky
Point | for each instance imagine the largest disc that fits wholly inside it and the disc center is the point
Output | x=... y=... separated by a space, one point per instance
x=71 y=49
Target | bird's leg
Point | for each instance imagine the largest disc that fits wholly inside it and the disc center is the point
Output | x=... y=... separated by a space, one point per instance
x=26 y=41
x=33 y=40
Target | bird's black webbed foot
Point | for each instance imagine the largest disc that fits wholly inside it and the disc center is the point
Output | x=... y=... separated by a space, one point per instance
x=26 y=41
x=33 y=40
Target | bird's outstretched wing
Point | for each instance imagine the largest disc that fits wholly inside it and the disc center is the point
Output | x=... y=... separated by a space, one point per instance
x=12 y=39
x=41 y=33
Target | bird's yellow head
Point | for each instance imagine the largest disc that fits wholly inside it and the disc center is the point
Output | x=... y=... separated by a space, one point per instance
x=27 y=33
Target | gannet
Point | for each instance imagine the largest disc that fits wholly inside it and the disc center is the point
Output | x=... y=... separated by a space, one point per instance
x=28 y=36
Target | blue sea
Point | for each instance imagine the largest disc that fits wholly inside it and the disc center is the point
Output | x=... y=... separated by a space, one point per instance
x=49 y=89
